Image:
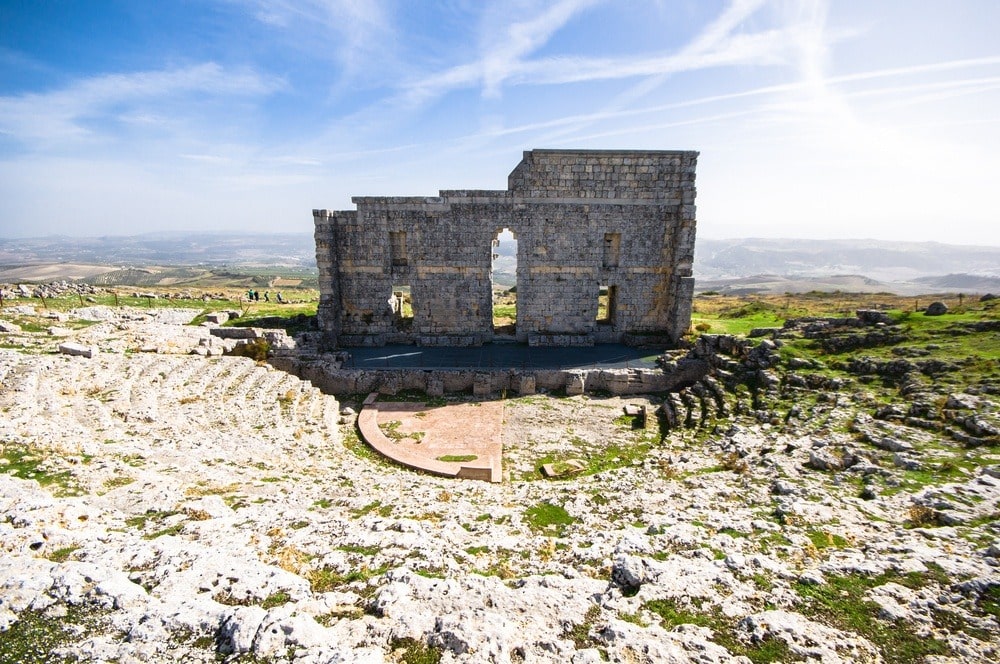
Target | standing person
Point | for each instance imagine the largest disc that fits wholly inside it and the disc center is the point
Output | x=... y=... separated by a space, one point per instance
x=280 y=301
x=250 y=295
x=256 y=296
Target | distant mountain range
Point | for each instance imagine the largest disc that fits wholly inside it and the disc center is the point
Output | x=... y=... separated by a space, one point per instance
x=736 y=265
x=176 y=248
x=784 y=265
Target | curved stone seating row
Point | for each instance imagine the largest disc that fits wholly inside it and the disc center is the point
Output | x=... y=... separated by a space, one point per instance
x=372 y=434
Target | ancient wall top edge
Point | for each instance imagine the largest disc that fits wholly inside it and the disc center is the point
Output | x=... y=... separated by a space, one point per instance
x=608 y=153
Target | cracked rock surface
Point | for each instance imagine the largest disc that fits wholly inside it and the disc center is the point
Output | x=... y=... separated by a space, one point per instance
x=171 y=506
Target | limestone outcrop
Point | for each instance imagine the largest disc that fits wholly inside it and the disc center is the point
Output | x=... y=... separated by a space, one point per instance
x=167 y=506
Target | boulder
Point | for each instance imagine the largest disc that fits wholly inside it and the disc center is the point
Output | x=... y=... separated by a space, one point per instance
x=936 y=309
x=628 y=573
x=217 y=317
x=825 y=459
x=73 y=348
x=873 y=316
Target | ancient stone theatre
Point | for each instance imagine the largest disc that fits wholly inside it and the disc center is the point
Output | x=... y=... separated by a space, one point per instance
x=617 y=224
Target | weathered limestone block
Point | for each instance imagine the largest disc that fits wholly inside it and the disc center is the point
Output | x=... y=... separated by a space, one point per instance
x=74 y=348
x=235 y=332
x=482 y=385
x=217 y=317
x=576 y=383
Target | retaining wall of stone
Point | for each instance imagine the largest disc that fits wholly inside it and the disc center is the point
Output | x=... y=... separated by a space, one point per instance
x=332 y=379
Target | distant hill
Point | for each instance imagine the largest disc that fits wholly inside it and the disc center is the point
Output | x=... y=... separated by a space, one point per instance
x=278 y=249
x=754 y=265
x=743 y=265
x=875 y=259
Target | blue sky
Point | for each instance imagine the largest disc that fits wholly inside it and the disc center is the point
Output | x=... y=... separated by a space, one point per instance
x=840 y=119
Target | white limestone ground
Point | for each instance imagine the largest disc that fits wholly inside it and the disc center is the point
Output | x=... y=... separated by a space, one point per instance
x=197 y=506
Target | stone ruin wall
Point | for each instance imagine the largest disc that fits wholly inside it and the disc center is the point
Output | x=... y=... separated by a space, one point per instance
x=582 y=219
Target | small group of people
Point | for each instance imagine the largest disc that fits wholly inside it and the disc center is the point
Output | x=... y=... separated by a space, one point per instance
x=254 y=296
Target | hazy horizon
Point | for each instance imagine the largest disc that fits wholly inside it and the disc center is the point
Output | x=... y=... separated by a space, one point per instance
x=308 y=232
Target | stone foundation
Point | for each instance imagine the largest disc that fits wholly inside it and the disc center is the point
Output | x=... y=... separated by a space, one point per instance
x=329 y=377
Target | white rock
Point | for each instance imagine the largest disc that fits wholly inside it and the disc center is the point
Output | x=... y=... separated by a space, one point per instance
x=808 y=639
x=238 y=629
x=80 y=350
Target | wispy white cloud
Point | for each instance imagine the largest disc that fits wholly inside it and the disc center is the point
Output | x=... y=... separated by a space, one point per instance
x=502 y=51
x=72 y=112
x=506 y=61
x=357 y=32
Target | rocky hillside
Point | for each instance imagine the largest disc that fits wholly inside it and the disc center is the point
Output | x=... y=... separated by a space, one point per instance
x=829 y=491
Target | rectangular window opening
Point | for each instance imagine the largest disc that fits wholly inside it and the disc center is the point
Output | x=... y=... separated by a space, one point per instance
x=397 y=247
x=606 y=297
x=401 y=303
x=612 y=249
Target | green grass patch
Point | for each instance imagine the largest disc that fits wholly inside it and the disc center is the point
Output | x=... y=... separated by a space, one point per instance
x=825 y=540
x=325 y=579
x=62 y=554
x=549 y=518
x=412 y=651
x=579 y=633
x=375 y=506
x=672 y=614
x=457 y=458
x=276 y=599
x=476 y=550
x=27 y=464
x=141 y=520
x=33 y=637
x=505 y=311
x=841 y=603
x=154 y=518
x=359 y=549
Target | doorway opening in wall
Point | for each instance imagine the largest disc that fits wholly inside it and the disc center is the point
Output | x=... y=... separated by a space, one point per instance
x=606 y=297
x=401 y=303
x=503 y=282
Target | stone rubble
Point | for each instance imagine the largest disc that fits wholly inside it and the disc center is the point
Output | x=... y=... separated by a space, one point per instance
x=208 y=506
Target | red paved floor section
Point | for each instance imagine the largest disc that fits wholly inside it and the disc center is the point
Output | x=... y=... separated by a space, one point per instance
x=418 y=436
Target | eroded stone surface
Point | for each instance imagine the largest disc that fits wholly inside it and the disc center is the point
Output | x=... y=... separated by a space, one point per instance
x=212 y=506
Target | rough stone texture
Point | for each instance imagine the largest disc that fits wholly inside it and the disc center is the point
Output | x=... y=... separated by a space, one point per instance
x=331 y=377
x=202 y=508
x=73 y=348
x=936 y=309
x=584 y=220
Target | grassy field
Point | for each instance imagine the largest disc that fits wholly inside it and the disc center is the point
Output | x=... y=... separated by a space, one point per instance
x=711 y=313
x=299 y=302
x=732 y=314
